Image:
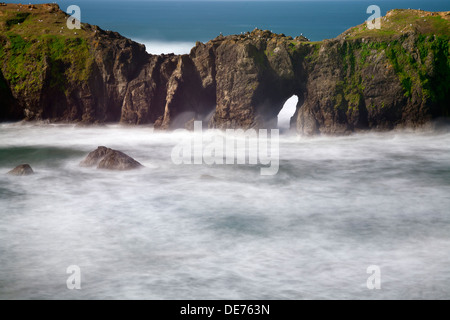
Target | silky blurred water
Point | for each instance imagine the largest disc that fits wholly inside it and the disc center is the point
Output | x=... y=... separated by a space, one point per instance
x=337 y=206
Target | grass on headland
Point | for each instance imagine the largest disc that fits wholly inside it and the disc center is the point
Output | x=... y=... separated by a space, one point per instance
x=35 y=40
x=399 y=21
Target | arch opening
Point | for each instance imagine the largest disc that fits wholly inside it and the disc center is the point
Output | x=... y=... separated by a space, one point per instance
x=286 y=113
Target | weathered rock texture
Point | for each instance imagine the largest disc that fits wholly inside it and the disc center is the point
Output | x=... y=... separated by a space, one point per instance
x=364 y=79
x=109 y=159
x=22 y=170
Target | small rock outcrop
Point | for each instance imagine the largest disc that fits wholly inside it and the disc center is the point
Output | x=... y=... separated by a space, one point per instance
x=109 y=159
x=22 y=170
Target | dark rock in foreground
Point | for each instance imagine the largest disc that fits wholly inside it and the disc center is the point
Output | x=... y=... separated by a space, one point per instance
x=94 y=157
x=22 y=170
x=109 y=159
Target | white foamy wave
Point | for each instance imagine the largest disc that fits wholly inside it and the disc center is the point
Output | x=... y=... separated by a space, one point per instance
x=166 y=47
x=285 y=115
x=167 y=231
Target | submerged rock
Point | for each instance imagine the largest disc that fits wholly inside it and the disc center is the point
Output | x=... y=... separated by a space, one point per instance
x=109 y=159
x=207 y=177
x=22 y=170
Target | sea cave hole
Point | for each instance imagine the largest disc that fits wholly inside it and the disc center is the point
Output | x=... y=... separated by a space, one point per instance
x=286 y=113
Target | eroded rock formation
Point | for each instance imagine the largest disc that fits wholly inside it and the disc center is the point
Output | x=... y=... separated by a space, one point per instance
x=109 y=159
x=363 y=79
x=21 y=170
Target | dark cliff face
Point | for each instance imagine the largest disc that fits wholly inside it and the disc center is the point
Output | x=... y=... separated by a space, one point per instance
x=376 y=84
x=364 y=79
x=60 y=74
x=8 y=106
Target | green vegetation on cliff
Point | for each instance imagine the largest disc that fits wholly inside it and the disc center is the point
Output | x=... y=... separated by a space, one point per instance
x=422 y=64
x=401 y=21
x=416 y=45
x=425 y=67
x=25 y=61
x=17 y=19
x=37 y=50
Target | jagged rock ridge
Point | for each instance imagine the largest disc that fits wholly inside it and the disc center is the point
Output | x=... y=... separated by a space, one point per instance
x=363 y=79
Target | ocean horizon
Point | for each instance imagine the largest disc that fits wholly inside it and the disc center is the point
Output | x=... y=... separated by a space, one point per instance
x=175 y=26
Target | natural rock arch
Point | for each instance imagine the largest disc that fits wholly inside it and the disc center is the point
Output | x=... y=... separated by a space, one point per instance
x=357 y=81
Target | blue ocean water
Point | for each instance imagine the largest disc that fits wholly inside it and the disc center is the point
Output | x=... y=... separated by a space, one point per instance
x=190 y=21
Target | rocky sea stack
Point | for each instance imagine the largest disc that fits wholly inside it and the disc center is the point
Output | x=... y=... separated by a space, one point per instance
x=109 y=159
x=398 y=76
x=22 y=170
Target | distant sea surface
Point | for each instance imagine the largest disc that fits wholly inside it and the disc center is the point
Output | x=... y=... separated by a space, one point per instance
x=175 y=26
